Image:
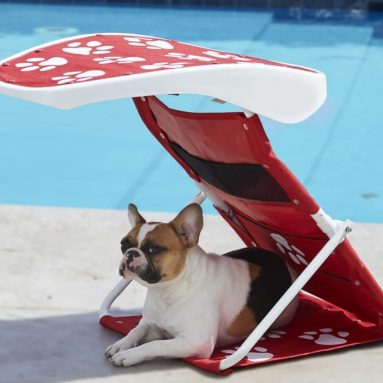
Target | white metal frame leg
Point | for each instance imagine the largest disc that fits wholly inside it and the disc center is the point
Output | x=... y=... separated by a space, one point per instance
x=342 y=230
x=199 y=198
x=112 y=296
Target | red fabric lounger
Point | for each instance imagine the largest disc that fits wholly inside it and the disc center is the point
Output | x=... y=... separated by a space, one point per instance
x=342 y=305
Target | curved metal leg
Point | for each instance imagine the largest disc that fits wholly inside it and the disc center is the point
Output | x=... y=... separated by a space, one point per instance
x=341 y=232
x=199 y=198
x=111 y=297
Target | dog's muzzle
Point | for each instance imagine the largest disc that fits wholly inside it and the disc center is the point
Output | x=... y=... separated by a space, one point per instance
x=135 y=259
x=138 y=263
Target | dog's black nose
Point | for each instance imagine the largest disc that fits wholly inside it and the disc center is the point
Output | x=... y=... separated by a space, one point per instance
x=131 y=254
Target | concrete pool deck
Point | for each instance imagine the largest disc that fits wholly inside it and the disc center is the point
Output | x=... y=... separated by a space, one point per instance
x=57 y=264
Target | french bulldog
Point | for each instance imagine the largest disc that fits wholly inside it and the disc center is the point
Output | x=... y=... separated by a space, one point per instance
x=195 y=301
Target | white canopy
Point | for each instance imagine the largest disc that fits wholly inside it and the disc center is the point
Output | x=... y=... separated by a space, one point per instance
x=67 y=77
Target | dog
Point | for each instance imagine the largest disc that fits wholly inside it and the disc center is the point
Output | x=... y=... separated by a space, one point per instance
x=195 y=300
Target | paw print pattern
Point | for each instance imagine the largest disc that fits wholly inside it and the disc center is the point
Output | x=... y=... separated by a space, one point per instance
x=77 y=76
x=325 y=337
x=221 y=55
x=71 y=60
x=258 y=354
x=163 y=65
x=41 y=64
x=297 y=255
x=184 y=56
x=274 y=334
x=91 y=48
x=148 y=43
x=118 y=60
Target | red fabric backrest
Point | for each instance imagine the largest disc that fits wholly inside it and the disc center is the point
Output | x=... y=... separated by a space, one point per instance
x=210 y=145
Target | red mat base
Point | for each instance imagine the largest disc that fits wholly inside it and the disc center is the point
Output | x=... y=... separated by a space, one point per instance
x=318 y=327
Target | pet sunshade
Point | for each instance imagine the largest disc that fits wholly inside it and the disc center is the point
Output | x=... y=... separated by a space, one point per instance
x=230 y=158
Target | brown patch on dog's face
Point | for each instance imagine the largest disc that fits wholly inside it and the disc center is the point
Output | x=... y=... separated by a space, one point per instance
x=130 y=239
x=160 y=255
x=166 y=251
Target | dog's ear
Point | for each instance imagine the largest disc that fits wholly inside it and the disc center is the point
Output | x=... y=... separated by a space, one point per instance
x=134 y=216
x=188 y=224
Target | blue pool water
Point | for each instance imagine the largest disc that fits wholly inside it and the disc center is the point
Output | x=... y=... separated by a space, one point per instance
x=101 y=155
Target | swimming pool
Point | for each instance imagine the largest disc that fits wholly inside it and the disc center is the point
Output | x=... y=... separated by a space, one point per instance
x=101 y=156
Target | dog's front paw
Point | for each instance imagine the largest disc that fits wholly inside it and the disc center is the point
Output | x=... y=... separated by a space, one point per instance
x=124 y=359
x=114 y=348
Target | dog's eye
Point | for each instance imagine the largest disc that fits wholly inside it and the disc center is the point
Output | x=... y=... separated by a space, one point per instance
x=154 y=250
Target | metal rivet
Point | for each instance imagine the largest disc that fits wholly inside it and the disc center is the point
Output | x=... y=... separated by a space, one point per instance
x=245 y=127
x=348 y=229
x=357 y=283
x=296 y=202
x=162 y=135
